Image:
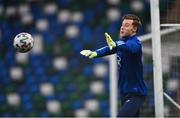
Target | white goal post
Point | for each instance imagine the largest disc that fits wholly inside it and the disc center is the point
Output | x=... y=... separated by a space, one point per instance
x=157 y=61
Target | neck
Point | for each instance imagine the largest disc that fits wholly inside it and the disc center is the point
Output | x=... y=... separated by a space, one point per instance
x=129 y=36
x=132 y=34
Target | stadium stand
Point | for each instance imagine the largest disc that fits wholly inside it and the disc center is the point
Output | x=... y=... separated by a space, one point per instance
x=54 y=79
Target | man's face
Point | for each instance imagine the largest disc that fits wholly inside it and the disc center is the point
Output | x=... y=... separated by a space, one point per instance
x=127 y=29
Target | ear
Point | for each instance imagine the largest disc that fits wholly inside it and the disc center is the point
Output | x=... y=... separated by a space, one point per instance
x=134 y=29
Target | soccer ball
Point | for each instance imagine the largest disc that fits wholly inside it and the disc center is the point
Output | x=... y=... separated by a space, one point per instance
x=23 y=42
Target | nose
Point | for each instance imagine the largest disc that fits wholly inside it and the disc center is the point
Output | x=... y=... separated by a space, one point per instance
x=121 y=28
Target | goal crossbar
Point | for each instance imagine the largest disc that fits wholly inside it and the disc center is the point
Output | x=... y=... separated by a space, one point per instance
x=146 y=37
x=170 y=25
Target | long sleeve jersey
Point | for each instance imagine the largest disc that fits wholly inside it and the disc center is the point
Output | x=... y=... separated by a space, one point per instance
x=129 y=59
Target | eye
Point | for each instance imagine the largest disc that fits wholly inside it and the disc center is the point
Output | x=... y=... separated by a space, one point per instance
x=127 y=25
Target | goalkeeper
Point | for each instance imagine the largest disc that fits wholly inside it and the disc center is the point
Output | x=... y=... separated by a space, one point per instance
x=131 y=86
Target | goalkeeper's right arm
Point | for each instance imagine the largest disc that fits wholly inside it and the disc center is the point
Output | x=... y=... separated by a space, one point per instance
x=107 y=50
x=98 y=53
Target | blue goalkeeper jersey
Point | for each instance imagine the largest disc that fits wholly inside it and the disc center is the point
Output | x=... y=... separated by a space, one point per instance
x=129 y=59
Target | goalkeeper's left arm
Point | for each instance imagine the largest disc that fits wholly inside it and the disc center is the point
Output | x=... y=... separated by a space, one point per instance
x=107 y=50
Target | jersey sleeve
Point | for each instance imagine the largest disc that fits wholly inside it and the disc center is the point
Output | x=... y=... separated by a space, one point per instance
x=132 y=46
x=104 y=51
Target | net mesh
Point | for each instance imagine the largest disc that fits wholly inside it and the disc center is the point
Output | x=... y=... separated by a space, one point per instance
x=169 y=11
x=170 y=46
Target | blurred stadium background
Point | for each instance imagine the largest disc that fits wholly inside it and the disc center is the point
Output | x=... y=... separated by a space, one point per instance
x=54 y=79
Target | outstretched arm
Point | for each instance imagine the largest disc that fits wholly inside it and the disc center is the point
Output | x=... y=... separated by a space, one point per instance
x=107 y=50
x=98 y=53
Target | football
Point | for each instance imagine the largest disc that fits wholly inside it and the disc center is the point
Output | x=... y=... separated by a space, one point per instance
x=23 y=42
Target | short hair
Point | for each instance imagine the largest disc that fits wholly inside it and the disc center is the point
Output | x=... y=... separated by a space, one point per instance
x=136 y=20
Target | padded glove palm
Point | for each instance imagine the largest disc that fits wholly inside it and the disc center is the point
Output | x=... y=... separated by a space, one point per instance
x=109 y=41
x=89 y=53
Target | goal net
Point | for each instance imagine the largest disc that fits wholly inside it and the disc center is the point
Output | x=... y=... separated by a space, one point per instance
x=170 y=55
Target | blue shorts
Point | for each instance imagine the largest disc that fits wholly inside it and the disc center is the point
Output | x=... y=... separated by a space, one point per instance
x=131 y=105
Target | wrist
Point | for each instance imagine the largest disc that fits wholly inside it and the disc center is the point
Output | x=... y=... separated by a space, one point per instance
x=94 y=54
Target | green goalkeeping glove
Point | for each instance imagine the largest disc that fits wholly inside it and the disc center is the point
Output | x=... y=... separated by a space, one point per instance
x=89 y=53
x=93 y=54
x=109 y=41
